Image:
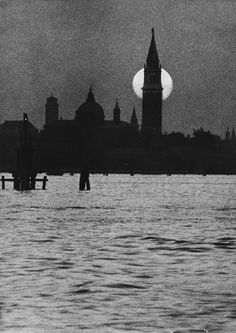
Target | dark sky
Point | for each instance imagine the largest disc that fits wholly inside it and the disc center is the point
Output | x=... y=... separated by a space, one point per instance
x=64 y=46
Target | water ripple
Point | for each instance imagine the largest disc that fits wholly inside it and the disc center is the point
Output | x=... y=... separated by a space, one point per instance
x=152 y=254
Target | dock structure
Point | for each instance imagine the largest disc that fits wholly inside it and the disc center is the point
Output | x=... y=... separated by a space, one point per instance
x=24 y=176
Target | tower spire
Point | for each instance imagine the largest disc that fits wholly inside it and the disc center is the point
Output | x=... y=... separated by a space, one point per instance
x=152 y=58
x=116 y=113
x=134 y=120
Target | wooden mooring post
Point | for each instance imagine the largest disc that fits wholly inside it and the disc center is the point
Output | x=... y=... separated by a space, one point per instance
x=3 y=182
x=84 y=180
x=44 y=182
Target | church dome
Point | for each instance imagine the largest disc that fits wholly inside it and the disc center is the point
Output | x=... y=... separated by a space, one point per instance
x=90 y=112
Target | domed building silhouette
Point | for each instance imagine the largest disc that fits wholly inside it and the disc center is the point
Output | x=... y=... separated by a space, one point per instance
x=90 y=112
x=66 y=142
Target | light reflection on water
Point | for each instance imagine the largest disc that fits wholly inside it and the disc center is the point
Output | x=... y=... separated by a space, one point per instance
x=142 y=253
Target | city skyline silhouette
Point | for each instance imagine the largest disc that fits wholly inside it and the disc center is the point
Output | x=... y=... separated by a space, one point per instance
x=64 y=48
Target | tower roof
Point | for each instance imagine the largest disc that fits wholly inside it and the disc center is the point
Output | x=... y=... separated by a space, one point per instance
x=152 y=57
x=134 y=120
x=51 y=99
x=117 y=108
x=134 y=113
x=90 y=97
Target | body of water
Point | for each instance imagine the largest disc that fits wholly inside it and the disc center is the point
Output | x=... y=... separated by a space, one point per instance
x=142 y=254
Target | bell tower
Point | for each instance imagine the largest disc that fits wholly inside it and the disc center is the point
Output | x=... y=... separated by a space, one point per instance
x=152 y=93
x=51 y=110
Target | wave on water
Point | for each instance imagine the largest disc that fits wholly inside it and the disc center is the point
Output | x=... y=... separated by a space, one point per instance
x=227 y=329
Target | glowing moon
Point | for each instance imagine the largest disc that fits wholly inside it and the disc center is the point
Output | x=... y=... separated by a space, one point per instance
x=166 y=82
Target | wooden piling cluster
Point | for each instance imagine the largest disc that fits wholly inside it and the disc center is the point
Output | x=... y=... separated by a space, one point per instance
x=24 y=183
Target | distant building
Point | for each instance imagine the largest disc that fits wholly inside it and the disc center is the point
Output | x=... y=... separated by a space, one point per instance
x=152 y=93
x=11 y=134
x=69 y=142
